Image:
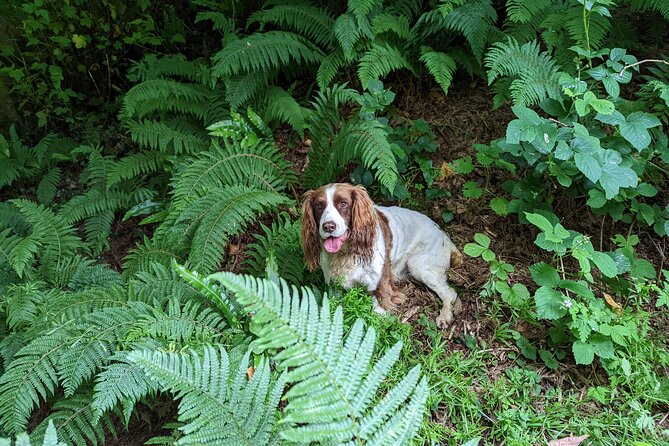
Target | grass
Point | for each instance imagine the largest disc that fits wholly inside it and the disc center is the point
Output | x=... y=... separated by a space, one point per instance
x=483 y=388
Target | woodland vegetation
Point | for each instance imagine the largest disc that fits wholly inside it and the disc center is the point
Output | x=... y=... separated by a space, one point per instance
x=152 y=159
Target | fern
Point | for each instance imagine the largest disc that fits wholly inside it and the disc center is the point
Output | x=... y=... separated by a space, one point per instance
x=332 y=380
x=281 y=240
x=282 y=107
x=219 y=214
x=361 y=8
x=50 y=438
x=76 y=421
x=158 y=250
x=535 y=72
x=165 y=95
x=243 y=88
x=389 y=23
x=440 y=65
x=169 y=138
x=380 y=60
x=219 y=406
x=520 y=11
x=368 y=141
x=46 y=189
x=475 y=20
x=310 y=21
x=131 y=166
x=329 y=68
x=661 y=6
x=260 y=165
x=347 y=33
x=264 y=52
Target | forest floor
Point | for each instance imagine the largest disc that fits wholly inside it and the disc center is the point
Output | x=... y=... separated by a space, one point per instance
x=460 y=120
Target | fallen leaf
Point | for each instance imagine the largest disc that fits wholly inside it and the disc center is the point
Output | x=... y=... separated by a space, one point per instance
x=612 y=303
x=445 y=171
x=249 y=373
x=568 y=441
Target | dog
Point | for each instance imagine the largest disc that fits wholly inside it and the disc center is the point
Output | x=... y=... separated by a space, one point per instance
x=358 y=243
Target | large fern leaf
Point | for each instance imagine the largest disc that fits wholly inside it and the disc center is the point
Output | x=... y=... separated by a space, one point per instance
x=218 y=404
x=332 y=380
x=440 y=65
x=166 y=137
x=475 y=20
x=379 y=61
x=313 y=22
x=263 y=52
x=219 y=214
x=536 y=76
x=521 y=11
x=165 y=95
x=259 y=165
x=282 y=107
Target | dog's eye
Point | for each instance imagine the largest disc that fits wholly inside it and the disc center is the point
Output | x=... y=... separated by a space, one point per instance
x=343 y=205
x=319 y=205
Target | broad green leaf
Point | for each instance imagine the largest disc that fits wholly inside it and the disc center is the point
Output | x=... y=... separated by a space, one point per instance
x=471 y=189
x=473 y=250
x=540 y=222
x=580 y=287
x=544 y=274
x=463 y=165
x=482 y=239
x=583 y=353
x=549 y=359
x=635 y=129
x=589 y=166
x=605 y=264
x=550 y=303
x=602 y=346
x=613 y=178
x=499 y=206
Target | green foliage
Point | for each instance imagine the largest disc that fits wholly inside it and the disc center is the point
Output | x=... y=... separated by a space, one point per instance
x=50 y=438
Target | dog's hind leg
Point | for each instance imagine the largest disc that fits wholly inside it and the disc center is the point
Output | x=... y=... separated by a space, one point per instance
x=431 y=270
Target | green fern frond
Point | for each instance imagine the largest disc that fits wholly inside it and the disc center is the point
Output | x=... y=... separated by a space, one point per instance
x=46 y=189
x=22 y=301
x=50 y=438
x=122 y=381
x=379 y=61
x=229 y=308
x=368 y=141
x=76 y=422
x=11 y=218
x=474 y=19
x=360 y=8
x=132 y=166
x=281 y=239
x=157 y=285
x=220 y=21
x=241 y=89
x=222 y=213
x=30 y=377
x=219 y=406
x=661 y=6
x=57 y=238
x=535 y=72
x=167 y=138
x=92 y=202
x=440 y=65
x=176 y=65
x=332 y=379
x=9 y=346
x=157 y=250
x=347 y=33
x=165 y=95
x=264 y=52
x=260 y=165
x=520 y=11
x=397 y=24
x=8 y=243
x=329 y=68
x=282 y=107
x=88 y=275
x=598 y=27
x=313 y=22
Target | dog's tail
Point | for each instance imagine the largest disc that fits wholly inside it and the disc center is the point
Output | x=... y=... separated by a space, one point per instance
x=456 y=258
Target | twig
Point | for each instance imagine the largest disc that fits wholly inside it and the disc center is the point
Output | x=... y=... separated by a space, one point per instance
x=601 y=233
x=640 y=62
x=558 y=122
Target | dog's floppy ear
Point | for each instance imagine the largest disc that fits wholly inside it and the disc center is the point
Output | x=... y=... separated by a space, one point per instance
x=310 y=240
x=363 y=224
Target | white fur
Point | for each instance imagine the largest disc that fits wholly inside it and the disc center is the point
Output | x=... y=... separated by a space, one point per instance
x=420 y=249
x=331 y=214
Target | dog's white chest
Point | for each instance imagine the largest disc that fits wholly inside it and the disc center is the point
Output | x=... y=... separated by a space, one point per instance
x=343 y=268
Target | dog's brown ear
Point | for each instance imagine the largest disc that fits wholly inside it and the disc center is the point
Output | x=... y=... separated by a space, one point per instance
x=310 y=240
x=363 y=224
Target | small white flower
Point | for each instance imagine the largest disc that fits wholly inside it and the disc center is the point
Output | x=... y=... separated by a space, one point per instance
x=568 y=303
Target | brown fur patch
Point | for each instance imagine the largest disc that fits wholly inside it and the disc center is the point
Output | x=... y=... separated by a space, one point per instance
x=386 y=292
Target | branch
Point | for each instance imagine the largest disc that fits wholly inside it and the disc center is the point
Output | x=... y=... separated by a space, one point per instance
x=640 y=62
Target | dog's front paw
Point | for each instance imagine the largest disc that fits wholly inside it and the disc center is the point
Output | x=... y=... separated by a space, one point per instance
x=444 y=319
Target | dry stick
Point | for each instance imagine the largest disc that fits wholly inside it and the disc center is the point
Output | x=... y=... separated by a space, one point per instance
x=640 y=62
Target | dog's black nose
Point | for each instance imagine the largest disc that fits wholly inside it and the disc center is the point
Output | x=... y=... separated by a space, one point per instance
x=329 y=226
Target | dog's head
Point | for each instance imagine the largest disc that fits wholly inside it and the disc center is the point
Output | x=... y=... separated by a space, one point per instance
x=335 y=215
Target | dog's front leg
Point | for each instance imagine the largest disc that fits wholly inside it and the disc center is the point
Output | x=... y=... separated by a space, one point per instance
x=387 y=294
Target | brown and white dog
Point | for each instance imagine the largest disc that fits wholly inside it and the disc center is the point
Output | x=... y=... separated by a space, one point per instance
x=361 y=244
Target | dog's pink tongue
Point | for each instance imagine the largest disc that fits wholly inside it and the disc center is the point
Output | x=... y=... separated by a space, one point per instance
x=333 y=244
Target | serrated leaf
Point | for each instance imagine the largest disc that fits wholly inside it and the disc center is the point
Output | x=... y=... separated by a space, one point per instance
x=550 y=303
x=471 y=189
x=544 y=274
x=583 y=353
x=499 y=206
x=589 y=166
x=605 y=264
